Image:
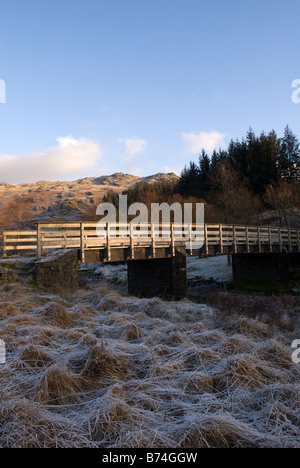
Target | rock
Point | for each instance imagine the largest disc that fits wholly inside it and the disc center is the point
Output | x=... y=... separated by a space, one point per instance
x=58 y=271
x=7 y=275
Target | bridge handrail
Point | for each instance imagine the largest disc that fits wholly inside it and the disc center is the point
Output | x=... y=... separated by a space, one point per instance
x=84 y=235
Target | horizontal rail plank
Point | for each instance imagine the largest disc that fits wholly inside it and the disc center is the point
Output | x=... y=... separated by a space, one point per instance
x=20 y=247
x=44 y=226
x=18 y=233
x=21 y=240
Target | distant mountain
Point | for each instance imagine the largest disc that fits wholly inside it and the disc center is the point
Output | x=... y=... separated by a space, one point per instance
x=68 y=201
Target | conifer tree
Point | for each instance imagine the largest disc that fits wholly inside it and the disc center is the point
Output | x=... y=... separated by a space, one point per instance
x=289 y=163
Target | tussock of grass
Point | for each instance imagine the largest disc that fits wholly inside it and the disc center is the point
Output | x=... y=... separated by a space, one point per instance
x=251 y=328
x=132 y=332
x=200 y=383
x=8 y=309
x=239 y=371
x=113 y=420
x=109 y=302
x=35 y=356
x=220 y=431
x=58 y=386
x=102 y=361
x=55 y=314
x=237 y=344
x=44 y=335
x=245 y=371
x=28 y=425
x=275 y=353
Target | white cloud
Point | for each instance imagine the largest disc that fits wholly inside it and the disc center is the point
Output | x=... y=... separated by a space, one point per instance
x=195 y=142
x=134 y=146
x=71 y=158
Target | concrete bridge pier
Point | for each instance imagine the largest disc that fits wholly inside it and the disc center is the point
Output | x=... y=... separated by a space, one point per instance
x=159 y=277
x=265 y=272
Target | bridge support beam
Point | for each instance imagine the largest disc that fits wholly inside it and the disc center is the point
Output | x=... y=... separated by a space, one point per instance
x=159 y=277
x=262 y=272
x=294 y=266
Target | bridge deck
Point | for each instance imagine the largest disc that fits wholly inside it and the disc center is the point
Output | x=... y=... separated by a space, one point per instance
x=152 y=240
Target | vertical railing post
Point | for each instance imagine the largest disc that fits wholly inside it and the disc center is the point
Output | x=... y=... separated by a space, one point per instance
x=234 y=239
x=4 y=245
x=206 y=240
x=259 y=240
x=82 y=244
x=108 y=253
x=172 y=240
x=131 y=242
x=270 y=240
x=221 y=239
x=39 y=242
x=153 y=240
x=189 y=237
x=247 y=240
x=280 y=240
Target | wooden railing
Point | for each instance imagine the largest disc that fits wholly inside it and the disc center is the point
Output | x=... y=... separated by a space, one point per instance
x=85 y=236
x=17 y=241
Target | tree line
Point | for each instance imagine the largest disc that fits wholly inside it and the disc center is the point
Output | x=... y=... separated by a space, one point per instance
x=250 y=177
x=257 y=161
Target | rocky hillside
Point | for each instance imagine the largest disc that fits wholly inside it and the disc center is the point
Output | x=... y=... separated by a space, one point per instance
x=69 y=201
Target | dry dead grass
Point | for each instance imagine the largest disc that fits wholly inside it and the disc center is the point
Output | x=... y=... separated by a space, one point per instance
x=55 y=314
x=35 y=356
x=58 y=386
x=102 y=370
x=221 y=431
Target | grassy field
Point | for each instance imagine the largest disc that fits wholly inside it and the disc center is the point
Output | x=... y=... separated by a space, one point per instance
x=101 y=369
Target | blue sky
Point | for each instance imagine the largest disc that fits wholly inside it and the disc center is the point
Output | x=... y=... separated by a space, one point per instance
x=95 y=87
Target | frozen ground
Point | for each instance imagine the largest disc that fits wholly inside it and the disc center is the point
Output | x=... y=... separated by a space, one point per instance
x=113 y=276
x=203 y=274
x=99 y=368
x=212 y=268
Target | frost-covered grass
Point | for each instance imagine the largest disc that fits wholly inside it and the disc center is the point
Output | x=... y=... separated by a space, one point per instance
x=101 y=369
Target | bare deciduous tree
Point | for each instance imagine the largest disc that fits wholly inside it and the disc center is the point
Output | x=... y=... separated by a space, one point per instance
x=230 y=196
x=17 y=213
x=281 y=199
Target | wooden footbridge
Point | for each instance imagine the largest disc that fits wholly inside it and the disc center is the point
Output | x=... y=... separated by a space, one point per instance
x=117 y=242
